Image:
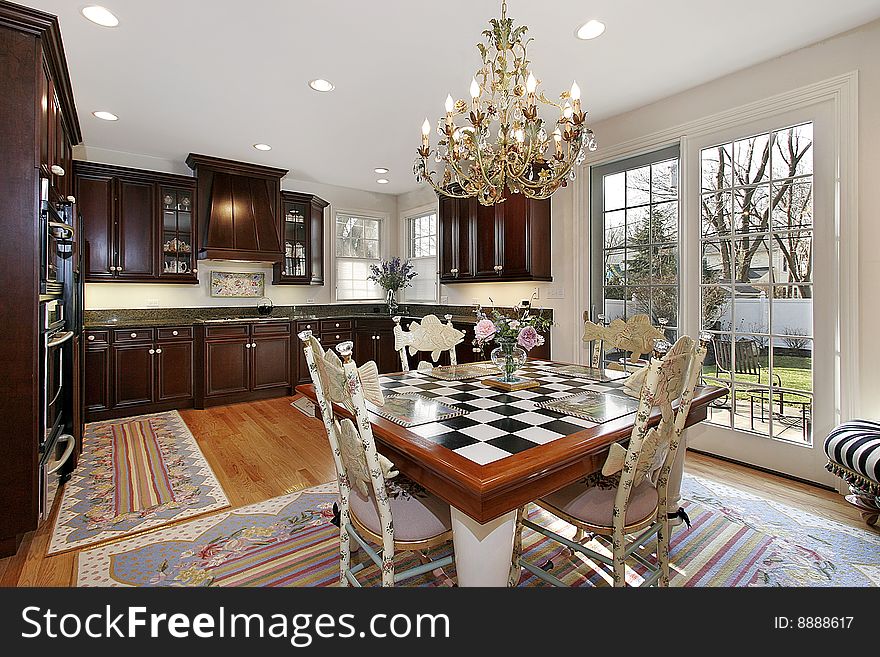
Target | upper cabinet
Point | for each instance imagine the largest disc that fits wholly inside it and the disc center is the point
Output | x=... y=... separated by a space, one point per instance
x=508 y=241
x=238 y=209
x=138 y=226
x=303 y=240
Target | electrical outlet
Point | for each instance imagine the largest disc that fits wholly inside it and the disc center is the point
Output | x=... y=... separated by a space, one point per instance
x=310 y=301
x=444 y=299
x=536 y=293
x=556 y=292
x=152 y=303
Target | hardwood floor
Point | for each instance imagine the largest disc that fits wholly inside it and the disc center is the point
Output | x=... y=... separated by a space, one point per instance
x=263 y=449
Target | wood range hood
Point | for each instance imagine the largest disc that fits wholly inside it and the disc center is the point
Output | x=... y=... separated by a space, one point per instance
x=238 y=205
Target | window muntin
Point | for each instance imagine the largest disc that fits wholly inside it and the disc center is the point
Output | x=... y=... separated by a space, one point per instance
x=358 y=245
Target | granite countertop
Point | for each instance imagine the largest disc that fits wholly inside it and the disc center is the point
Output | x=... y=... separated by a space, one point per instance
x=159 y=322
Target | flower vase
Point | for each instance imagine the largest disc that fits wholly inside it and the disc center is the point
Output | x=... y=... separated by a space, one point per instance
x=508 y=357
x=391 y=301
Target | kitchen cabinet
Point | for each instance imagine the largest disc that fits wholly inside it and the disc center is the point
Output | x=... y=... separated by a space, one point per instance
x=132 y=371
x=303 y=240
x=508 y=241
x=243 y=361
x=138 y=226
x=374 y=340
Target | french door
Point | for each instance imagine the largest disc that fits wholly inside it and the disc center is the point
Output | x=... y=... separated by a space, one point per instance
x=759 y=286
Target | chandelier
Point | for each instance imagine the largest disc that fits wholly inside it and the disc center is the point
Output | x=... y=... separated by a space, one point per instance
x=526 y=156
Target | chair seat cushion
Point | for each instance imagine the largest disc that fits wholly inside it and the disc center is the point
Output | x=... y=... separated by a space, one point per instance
x=418 y=515
x=591 y=500
x=855 y=445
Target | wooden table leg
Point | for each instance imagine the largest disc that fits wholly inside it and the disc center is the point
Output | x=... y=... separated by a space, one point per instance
x=482 y=552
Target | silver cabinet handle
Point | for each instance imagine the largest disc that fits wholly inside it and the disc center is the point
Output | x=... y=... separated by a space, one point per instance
x=91 y=338
x=337 y=337
x=247 y=345
x=61 y=339
x=72 y=199
x=253 y=345
x=134 y=335
x=173 y=332
x=152 y=351
x=308 y=326
x=337 y=324
x=195 y=271
x=159 y=351
x=57 y=170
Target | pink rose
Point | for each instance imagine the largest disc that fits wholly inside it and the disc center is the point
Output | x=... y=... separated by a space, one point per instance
x=484 y=330
x=528 y=338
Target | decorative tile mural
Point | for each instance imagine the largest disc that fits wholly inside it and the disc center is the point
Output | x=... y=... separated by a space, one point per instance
x=237 y=284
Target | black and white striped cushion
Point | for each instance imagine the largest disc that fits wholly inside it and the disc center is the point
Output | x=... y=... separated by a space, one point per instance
x=856 y=446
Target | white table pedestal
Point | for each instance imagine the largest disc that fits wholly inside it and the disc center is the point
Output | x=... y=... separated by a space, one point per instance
x=482 y=552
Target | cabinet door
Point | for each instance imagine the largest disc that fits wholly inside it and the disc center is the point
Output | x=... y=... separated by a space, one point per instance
x=137 y=234
x=316 y=243
x=271 y=362
x=513 y=236
x=94 y=198
x=96 y=396
x=365 y=346
x=133 y=374
x=447 y=219
x=387 y=359
x=46 y=107
x=486 y=235
x=227 y=367
x=174 y=376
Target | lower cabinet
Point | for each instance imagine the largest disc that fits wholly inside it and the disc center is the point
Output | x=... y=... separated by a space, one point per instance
x=134 y=371
x=374 y=340
x=240 y=362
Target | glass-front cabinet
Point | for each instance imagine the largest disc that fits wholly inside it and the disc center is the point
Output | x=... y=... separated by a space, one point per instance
x=303 y=240
x=178 y=232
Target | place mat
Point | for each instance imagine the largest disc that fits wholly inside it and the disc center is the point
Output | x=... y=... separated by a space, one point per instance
x=411 y=410
x=462 y=372
x=586 y=372
x=593 y=406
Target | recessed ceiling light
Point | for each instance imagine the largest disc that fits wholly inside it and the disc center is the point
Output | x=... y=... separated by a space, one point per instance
x=100 y=15
x=105 y=116
x=382 y=181
x=380 y=170
x=591 y=29
x=320 y=84
x=263 y=147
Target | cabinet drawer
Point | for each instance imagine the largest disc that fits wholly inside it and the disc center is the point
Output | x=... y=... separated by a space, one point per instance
x=335 y=325
x=329 y=338
x=228 y=331
x=312 y=325
x=128 y=336
x=271 y=328
x=175 y=333
x=97 y=337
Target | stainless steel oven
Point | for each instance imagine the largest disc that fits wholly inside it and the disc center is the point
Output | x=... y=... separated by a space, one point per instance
x=52 y=471
x=57 y=236
x=55 y=344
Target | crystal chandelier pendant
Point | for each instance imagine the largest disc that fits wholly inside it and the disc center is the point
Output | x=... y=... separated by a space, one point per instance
x=498 y=141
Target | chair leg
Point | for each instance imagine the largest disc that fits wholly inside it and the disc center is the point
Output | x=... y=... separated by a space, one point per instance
x=618 y=548
x=515 y=568
x=344 y=555
x=663 y=550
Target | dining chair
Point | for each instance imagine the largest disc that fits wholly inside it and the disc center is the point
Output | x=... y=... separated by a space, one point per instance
x=625 y=503
x=429 y=334
x=371 y=493
x=635 y=335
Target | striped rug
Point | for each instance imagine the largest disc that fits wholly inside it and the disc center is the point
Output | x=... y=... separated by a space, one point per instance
x=134 y=474
x=736 y=539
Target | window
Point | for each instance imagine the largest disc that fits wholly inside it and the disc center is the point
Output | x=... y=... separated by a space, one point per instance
x=358 y=245
x=636 y=243
x=421 y=232
x=756 y=280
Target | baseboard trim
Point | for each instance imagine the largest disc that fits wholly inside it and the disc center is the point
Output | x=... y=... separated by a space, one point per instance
x=765 y=470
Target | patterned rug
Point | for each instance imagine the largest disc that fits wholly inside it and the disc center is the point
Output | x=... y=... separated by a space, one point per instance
x=134 y=474
x=736 y=539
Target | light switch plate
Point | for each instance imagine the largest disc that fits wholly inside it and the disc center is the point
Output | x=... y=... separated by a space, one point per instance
x=152 y=303
x=444 y=299
x=556 y=292
x=310 y=301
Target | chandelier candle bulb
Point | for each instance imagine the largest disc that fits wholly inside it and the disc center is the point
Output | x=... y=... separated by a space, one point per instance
x=557 y=138
x=426 y=130
x=450 y=104
x=576 y=97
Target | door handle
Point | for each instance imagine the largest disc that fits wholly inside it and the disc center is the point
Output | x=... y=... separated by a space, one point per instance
x=71 y=443
x=64 y=337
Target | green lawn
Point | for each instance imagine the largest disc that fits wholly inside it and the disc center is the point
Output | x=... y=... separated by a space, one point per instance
x=794 y=371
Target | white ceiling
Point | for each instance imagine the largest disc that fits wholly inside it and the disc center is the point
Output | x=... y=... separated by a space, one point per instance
x=217 y=76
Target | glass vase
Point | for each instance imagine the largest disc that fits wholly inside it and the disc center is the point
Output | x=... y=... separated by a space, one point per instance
x=391 y=301
x=508 y=357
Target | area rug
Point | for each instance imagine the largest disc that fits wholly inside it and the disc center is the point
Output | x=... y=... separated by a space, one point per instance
x=736 y=539
x=134 y=474
x=305 y=406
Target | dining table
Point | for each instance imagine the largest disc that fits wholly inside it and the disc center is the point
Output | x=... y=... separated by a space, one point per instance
x=503 y=449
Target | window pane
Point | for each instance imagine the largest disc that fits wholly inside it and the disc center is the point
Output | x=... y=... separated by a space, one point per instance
x=716 y=308
x=751 y=160
x=638 y=267
x=614 y=229
x=793 y=362
x=716 y=167
x=752 y=309
x=793 y=152
x=613 y=303
x=752 y=263
x=612 y=191
x=716 y=262
x=715 y=214
x=637 y=228
x=751 y=208
x=638 y=186
x=638 y=301
x=614 y=268
x=793 y=204
x=664 y=181
x=664 y=265
x=792 y=310
x=664 y=222
x=793 y=257
x=664 y=306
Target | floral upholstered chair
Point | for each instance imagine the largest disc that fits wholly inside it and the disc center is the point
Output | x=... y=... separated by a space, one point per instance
x=625 y=503
x=372 y=495
x=430 y=334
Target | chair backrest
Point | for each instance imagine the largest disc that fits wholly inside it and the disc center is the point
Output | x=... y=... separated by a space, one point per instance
x=429 y=334
x=635 y=335
x=651 y=451
x=358 y=465
x=746 y=356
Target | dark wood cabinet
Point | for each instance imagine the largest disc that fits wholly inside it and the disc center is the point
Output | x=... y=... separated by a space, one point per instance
x=137 y=370
x=303 y=240
x=240 y=362
x=508 y=241
x=138 y=226
x=374 y=340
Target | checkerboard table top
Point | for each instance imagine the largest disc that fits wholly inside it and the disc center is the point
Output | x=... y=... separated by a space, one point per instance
x=499 y=424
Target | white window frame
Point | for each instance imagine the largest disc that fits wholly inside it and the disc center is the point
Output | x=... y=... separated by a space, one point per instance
x=382 y=218
x=406 y=247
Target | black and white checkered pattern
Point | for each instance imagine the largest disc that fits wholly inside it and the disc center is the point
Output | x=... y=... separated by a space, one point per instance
x=498 y=423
